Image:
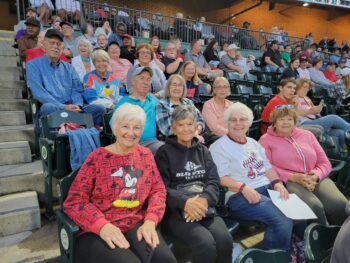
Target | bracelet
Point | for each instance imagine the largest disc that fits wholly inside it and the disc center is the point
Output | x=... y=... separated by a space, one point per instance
x=241 y=188
x=274 y=182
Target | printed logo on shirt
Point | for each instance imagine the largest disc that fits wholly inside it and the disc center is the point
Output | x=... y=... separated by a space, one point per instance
x=127 y=194
x=193 y=171
x=255 y=167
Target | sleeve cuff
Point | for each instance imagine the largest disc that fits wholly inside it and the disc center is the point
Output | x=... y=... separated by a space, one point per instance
x=153 y=217
x=96 y=227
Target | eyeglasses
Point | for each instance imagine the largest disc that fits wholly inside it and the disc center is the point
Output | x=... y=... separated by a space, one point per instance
x=233 y=120
x=285 y=106
x=145 y=53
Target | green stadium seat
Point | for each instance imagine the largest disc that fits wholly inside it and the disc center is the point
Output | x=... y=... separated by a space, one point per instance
x=54 y=149
x=253 y=255
x=319 y=240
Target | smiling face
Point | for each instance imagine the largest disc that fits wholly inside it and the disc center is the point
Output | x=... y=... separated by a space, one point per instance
x=176 y=89
x=102 y=41
x=101 y=65
x=222 y=89
x=114 y=51
x=284 y=125
x=53 y=48
x=170 y=51
x=67 y=30
x=83 y=50
x=303 y=90
x=128 y=132
x=295 y=64
x=189 y=71
x=145 y=56
x=238 y=124
x=184 y=130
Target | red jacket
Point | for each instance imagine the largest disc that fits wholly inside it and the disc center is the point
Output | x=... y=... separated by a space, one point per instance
x=330 y=75
x=39 y=52
x=120 y=189
x=270 y=106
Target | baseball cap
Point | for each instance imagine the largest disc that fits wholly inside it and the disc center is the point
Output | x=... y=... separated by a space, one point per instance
x=126 y=36
x=342 y=60
x=134 y=71
x=232 y=46
x=32 y=21
x=66 y=23
x=344 y=72
x=54 y=33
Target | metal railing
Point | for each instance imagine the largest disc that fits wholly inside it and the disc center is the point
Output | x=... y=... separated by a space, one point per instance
x=141 y=23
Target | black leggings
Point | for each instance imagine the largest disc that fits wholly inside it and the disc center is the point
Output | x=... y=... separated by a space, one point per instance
x=208 y=239
x=91 y=248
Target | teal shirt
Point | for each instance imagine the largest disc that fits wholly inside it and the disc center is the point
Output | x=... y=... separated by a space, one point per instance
x=149 y=106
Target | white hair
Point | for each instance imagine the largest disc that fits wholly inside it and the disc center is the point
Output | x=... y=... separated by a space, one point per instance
x=86 y=42
x=239 y=107
x=128 y=112
x=99 y=54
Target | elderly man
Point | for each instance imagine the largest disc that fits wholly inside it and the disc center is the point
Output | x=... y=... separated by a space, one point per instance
x=140 y=81
x=69 y=40
x=272 y=58
x=29 y=40
x=228 y=61
x=203 y=68
x=171 y=62
x=56 y=84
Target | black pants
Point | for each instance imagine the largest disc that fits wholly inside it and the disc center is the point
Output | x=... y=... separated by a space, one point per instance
x=208 y=239
x=91 y=248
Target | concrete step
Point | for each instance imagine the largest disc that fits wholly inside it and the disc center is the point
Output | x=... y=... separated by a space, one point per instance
x=18 y=133
x=19 y=212
x=11 y=118
x=39 y=245
x=11 y=93
x=22 y=177
x=14 y=105
x=6 y=49
x=8 y=61
x=12 y=84
x=15 y=153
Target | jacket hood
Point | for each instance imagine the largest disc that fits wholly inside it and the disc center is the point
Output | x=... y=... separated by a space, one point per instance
x=270 y=131
x=172 y=139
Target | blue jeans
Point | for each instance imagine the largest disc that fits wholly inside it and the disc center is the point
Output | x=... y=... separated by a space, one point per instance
x=279 y=228
x=333 y=125
x=97 y=112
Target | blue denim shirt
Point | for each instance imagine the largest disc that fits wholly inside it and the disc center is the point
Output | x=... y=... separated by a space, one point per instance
x=58 y=84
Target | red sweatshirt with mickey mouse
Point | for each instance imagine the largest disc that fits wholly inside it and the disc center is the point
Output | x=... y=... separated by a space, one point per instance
x=120 y=189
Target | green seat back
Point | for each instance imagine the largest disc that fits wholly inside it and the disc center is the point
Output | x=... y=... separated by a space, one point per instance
x=253 y=255
x=64 y=185
x=319 y=240
x=51 y=123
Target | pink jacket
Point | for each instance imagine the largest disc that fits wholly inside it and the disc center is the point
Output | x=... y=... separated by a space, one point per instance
x=285 y=158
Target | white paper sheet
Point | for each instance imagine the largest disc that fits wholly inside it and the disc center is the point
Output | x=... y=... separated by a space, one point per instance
x=293 y=208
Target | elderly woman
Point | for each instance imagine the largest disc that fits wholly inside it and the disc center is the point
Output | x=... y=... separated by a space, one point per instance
x=192 y=183
x=118 y=198
x=101 y=41
x=213 y=109
x=247 y=173
x=310 y=114
x=118 y=65
x=145 y=56
x=101 y=85
x=303 y=165
x=83 y=63
x=175 y=92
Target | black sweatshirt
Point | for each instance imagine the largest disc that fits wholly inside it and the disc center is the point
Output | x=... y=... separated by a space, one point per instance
x=178 y=164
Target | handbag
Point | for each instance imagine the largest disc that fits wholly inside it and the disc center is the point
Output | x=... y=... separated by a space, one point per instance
x=193 y=189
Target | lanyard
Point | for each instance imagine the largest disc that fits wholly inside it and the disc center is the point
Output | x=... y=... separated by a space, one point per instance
x=299 y=151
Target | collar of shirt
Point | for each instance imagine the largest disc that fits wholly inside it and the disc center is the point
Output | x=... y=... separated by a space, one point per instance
x=49 y=62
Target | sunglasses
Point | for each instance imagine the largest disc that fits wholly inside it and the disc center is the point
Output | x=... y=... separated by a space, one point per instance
x=285 y=106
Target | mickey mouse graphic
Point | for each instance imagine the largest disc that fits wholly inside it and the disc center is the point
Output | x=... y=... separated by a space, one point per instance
x=130 y=176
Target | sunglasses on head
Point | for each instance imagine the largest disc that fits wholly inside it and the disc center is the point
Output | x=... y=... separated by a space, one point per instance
x=285 y=106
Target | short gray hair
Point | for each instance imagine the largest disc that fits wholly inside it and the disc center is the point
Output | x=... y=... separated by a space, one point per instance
x=86 y=42
x=215 y=83
x=129 y=112
x=239 y=107
x=182 y=112
x=100 y=54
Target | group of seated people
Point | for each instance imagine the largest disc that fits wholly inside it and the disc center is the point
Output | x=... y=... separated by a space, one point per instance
x=122 y=193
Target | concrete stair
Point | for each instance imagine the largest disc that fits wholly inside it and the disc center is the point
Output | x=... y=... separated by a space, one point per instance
x=21 y=179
